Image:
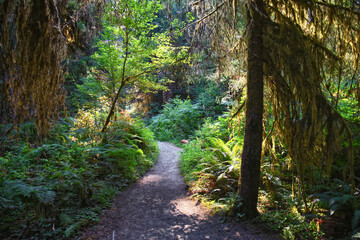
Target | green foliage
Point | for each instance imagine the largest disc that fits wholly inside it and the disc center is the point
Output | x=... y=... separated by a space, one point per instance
x=190 y=161
x=340 y=203
x=219 y=169
x=129 y=49
x=53 y=190
x=210 y=165
x=208 y=96
x=39 y=182
x=209 y=137
x=130 y=152
x=349 y=109
x=211 y=162
x=291 y=225
x=177 y=120
x=212 y=128
x=129 y=52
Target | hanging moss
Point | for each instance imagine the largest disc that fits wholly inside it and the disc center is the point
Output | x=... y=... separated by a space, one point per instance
x=34 y=48
x=35 y=40
x=308 y=46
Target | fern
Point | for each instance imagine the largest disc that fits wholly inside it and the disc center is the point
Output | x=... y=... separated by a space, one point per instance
x=355 y=222
x=340 y=204
x=70 y=231
x=41 y=185
x=218 y=167
x=224 y=154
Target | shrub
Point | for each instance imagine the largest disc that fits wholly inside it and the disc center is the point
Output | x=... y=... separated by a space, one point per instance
x=51 y=191
x=291 y=224
x=341 y=204
x=209 y=99
x=177 y=120
x=215 y=128
x=212 y=170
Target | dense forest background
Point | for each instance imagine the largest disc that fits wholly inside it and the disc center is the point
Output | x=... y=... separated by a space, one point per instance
x=266 y=92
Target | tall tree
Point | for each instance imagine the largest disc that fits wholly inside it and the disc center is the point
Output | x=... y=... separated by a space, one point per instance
x=309 y=47
x=300 y=48
x=33 y=48
x=130 y=49
x=35 y=39
x=251 y=155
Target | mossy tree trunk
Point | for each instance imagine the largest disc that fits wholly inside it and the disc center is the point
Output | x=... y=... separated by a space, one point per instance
x=251 y=156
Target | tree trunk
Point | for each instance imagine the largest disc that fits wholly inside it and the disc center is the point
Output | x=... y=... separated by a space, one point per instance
x=169 y=93
x=123 y=82
x=251 y=156
x=112 y=108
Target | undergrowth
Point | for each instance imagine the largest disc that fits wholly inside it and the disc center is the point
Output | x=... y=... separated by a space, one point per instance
x=177 y=120
x=211 y=163
x=54 y=189
x=181 y=119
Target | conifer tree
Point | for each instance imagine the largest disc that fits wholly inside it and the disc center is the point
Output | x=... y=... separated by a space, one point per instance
x=301 y=49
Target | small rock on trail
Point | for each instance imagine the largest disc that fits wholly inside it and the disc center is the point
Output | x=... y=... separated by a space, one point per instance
x=156 y=207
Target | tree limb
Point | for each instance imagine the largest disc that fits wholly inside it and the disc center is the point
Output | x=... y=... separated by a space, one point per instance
x=203 y=18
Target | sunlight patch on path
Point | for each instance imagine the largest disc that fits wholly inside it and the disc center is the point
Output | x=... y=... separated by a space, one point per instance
x=150 y=179
x=189 y=208
x=157 y=208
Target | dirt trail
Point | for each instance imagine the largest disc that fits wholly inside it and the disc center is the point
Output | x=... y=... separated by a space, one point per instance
x=156 y=207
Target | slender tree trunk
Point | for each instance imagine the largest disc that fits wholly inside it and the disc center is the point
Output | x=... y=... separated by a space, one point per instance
x=113 y=105
x=251 y=156
x=123 y=82
x=169 y=93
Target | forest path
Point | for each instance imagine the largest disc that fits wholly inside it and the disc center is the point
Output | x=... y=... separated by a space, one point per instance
x=156 y=207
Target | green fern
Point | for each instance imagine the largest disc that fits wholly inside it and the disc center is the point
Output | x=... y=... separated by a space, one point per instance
x=70 y=231
x=221 y=165
x=226 y=153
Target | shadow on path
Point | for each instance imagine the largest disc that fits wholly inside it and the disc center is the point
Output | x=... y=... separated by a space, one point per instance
x=156 y=207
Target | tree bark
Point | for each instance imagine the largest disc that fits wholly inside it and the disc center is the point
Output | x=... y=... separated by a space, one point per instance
x=251 y=156
x=123 y=82
x=113 y=105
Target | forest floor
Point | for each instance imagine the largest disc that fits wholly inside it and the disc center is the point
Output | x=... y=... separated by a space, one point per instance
x=157 y=207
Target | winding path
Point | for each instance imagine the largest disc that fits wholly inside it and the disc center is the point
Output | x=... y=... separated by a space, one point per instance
x=156 y=207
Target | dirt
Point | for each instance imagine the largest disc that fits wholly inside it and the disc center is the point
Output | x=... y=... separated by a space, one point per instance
x=157 y=207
